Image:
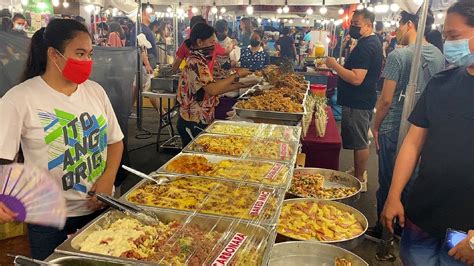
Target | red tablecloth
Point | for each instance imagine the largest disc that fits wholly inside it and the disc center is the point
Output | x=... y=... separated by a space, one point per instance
x=323 y=152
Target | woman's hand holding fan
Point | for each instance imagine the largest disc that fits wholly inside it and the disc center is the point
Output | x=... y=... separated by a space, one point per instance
x=6 y=215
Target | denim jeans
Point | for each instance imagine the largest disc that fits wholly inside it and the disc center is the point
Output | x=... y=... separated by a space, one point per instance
x=43 y=239
x=419 y=248
x=387 y=156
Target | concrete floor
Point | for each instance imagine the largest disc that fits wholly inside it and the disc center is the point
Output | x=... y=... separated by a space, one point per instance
x=144 y=157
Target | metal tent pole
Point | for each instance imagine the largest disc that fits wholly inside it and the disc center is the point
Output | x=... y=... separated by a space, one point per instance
x=139 y=81
x=383 y=248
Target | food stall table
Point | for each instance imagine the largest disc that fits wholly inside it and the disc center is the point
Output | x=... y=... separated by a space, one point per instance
x=323 y=152
x=165 y=118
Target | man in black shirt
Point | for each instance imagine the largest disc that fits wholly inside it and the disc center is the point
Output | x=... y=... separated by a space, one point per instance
x=442 y=132
x=356 y=88
x=286 y=45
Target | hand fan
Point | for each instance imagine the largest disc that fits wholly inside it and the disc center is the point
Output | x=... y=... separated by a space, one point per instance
x=33 y=194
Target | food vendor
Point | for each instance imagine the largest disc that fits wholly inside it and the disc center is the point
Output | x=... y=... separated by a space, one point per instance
x=254 y=57
x=183 y=50
x=64 y=123
x=197 y=89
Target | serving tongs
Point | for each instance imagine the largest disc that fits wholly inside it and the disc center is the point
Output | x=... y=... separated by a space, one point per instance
x=129 y=209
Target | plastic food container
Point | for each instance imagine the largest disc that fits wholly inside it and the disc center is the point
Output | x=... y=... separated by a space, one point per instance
x=318 y=90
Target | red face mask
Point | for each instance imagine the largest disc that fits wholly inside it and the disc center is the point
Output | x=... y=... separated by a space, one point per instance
x=76 y=71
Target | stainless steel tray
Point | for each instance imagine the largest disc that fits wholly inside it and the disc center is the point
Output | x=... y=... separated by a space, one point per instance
x=290 y=133
x=165 y=84
x=333 y=179
x=285 y=183
x=272 y=115
x=305 y=253
x=275 y=193
x=350 y=243
x=229 y=227
x=291 y=158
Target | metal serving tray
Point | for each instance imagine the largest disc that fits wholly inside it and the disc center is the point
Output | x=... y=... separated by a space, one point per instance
x=255 y=233
x=333 y=179
x=275 y=193
x=350 y=243
x=165 y=84
x=246 y=154
x=272 y=115
x=285 y=182
x=290 y=133
x=305 y=253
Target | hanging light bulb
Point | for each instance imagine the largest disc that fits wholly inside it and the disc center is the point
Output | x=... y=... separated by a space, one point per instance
x=180 y=9
x=394 y=7
x=259 y=20
x=149 y=9
x=169 y=9
x=214 y=9
x=250 y=8
x=24 y=2
x=308 y=22
x=440 y=15
x=220 y=17
x=194 y=10
x=290 y=21
x=285 y=20
x=114 y=10
x=303 y=20
x=286 y=9
x=55 y=2
x=340 y=11
x=309 y=11
x=280 y=10
x=120 y=13
x=41 y=5
x=223 y=10
x=323 y=10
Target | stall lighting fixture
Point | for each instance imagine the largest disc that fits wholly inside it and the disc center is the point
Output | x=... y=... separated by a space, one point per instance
x=285 y=20
x=360 y=6
x=65 y=4
x=290 y=21
x=381 y=8
x=55 y=2
x=340 y=11
x=370 y=8
x=394 y=7
x=286 y=8
x=309 y=11
x=24 y=2
x=440 y=15
x=303 y=20
x=259 y=20
x=120 y=13
x=280 y=10
x=180 y=9
x=433 y=26
x=323 y=10
x=89 y=8
x=393 y=23
x=214 y=9
x=41 y=5
x=250 y=8
x=223 y=10
x=220 y=17
x=194 y=10
x=386 y=24
x=148 y=8
x=169 y=9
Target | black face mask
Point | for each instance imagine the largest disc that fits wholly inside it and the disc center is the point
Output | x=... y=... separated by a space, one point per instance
x=354 y=32
x=254 y=43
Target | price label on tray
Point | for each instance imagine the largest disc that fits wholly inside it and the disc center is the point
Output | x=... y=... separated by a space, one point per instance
x=259 y=203
x=274 y=171
x=228 y=252
x=288 y=133
x=284 y=147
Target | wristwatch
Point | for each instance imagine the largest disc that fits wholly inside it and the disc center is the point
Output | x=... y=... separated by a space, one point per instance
x=471 y=243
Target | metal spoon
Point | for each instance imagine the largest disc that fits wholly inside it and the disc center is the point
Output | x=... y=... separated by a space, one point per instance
x=159 y=182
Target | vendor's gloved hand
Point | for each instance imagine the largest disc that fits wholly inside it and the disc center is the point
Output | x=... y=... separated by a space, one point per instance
x=331 y=62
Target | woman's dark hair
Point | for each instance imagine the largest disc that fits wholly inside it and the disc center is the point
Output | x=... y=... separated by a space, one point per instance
x=246 y=24
x=196 y=20
x=7 y=24
x=57 y=34
x=259 y=33
x=200 y=31
x=221 y=26
x=464 y=8
x=115 y=27
x=435 y=38
x=18 y=16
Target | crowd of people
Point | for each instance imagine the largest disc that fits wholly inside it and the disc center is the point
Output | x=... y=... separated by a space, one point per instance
x=423 y=191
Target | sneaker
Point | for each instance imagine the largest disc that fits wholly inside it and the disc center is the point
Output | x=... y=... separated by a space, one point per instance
x=374 y=234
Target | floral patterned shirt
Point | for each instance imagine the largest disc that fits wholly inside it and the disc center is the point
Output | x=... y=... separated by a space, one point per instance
x=195 y=104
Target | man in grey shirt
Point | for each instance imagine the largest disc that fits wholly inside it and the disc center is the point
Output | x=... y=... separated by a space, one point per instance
x=390 y=104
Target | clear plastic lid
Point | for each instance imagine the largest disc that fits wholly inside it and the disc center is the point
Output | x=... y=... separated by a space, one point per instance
x=251 y=171
x=244 y=147
x=254 y=130
x=175 y=239
x=207 y=196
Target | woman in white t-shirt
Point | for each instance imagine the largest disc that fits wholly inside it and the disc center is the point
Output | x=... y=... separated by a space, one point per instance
x=64 y=123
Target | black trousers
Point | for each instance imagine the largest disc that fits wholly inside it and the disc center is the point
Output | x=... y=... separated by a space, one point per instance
x=193 y=127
